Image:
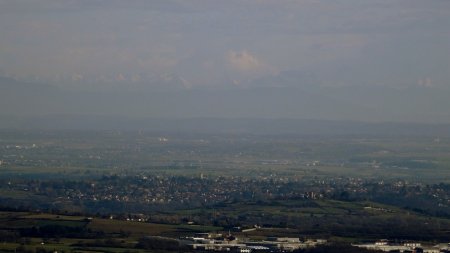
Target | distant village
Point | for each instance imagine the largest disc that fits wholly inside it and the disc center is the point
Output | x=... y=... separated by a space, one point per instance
x=153 y=191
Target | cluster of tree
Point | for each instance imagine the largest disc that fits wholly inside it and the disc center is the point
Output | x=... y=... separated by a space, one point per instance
x=9 y=236
x=160 y=243
x=59 y=231
x=108 y=242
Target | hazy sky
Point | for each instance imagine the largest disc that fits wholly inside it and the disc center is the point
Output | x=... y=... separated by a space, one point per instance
x=212 y=42
x=185 y=45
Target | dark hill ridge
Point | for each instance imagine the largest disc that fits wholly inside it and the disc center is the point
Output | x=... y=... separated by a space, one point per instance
x=285 y=100
x=224 y=126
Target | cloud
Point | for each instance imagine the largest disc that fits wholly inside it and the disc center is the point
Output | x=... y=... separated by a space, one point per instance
x=120 y=77
x=244 y=61
x=425 y=82
x=77 y=77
